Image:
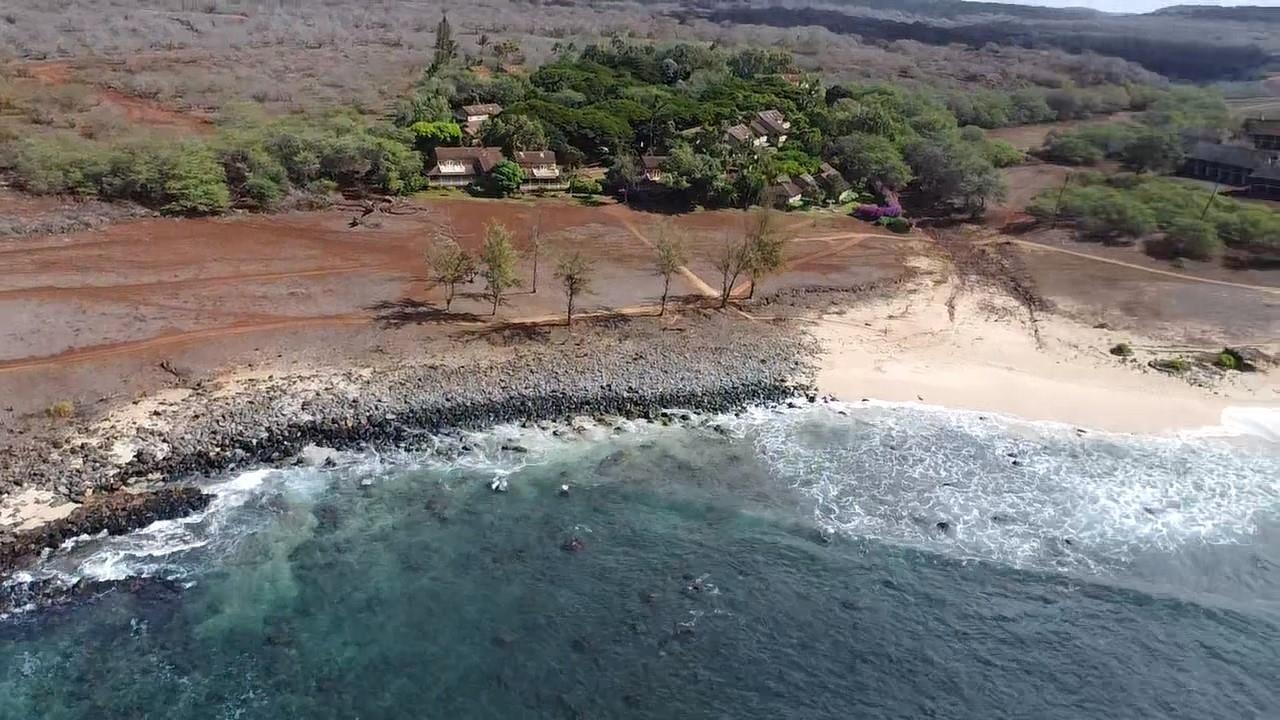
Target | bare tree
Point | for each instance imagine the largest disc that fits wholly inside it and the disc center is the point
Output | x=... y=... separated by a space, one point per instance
x=499 y=260
x=670 y=258
x=574 y=272
x=451 y=266
x=732 y=259
x=535 y=246
x=764 y=245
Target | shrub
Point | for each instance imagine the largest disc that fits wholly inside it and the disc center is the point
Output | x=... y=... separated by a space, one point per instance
x=895 y=224
x=1227 y=361
x=1122 y=350
x=60 y=410
x=1001 y=154
x=1176 y=366
x=1072 y=149
x=1195 y=239
x=584 y=186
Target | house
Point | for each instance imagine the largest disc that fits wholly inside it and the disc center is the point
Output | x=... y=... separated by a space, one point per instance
x=831 y=180
x=1265 y=181
x=541 y=171
x=652 y=167
x=740 y=135
x=1226 y=164
x=810 y=187
x=784 y=192
x=471 y=117
x=771 y=126
x=462 y=166
x=1264 y=134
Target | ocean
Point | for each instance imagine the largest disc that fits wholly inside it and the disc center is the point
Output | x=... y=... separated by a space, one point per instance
x=827 y=561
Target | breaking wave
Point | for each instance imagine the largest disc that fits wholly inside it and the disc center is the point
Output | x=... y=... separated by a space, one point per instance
x=1026 y=494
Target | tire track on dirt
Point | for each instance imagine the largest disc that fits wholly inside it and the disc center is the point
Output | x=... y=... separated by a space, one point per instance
x=1134 y=266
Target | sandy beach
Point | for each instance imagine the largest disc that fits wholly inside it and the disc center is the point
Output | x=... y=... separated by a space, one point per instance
x=906 y=348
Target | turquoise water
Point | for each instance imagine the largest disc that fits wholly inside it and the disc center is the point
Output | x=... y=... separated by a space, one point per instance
x=830 y=562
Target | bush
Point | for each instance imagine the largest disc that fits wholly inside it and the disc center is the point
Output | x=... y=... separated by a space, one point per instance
x=584 y=186
x=60 y=410
x=1001 y=154
x=1193 y=239
x=895 y=224
x=1072 y=149
x=1227 y=361
x=1122 y=350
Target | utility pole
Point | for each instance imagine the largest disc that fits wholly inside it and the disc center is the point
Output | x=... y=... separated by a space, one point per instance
x=1209 y=204
x=1057 y=207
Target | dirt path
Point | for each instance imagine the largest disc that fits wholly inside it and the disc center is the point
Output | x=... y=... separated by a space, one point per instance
x=688 y=274
x=1134 y=266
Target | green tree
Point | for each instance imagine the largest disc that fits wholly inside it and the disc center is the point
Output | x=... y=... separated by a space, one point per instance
x=668 y=261
x=574 y=271
x=431 y=135
x=504 y=49
x=871 y=160
x=505 y=178
x=450 y=266
x=1156 y=151
x=513 y=132
x=623 y=174
x=498 y=262
x=446 y=48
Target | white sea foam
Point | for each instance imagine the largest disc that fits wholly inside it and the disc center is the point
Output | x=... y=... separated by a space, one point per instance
x=1028 y=494
x=1244 y=421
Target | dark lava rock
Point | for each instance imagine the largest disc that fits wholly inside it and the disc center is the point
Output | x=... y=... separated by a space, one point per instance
x=116 y=513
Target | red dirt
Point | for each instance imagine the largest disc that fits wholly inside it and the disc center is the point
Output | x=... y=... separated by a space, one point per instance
x=137 y=110
x=86 y=313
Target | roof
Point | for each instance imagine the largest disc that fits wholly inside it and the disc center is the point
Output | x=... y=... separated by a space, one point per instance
x=759 y=129
x=806 y=181
x=1262 y=126
x=482 y=109
x=653 y=162
x=789 y=188
x=773 y=121
x=478 y=159
x=1233 y=155
x=1270 y=171
x=535 y=157
x=739 y=132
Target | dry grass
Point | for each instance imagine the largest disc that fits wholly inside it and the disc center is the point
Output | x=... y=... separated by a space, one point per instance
x=60 y=410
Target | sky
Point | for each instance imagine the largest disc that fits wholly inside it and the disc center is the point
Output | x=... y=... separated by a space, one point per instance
x=1137 y=6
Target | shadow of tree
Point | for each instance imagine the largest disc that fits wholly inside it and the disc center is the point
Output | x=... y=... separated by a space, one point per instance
x=407 y=311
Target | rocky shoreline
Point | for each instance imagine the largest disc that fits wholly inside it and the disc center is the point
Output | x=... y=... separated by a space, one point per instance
x=152 y=449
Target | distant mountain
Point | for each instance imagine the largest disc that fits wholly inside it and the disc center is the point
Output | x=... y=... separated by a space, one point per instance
x=1244 y=13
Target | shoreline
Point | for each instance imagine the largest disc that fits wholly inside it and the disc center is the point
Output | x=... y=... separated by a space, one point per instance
x=972 y=348
x=155 y=444
x=929 y=338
